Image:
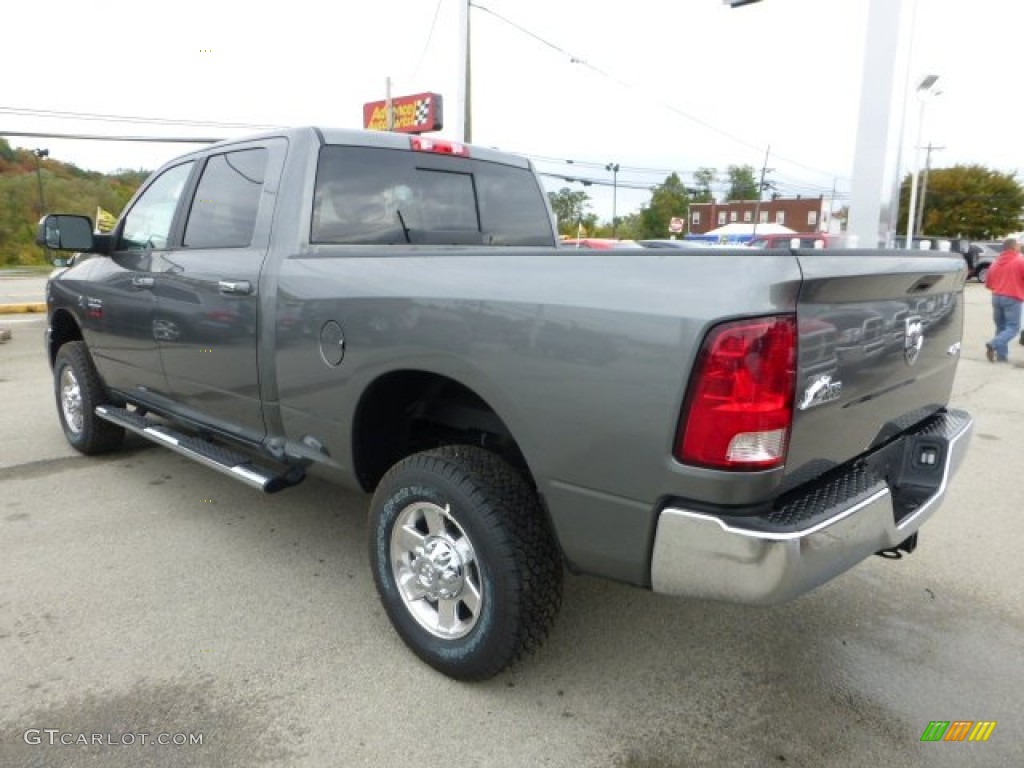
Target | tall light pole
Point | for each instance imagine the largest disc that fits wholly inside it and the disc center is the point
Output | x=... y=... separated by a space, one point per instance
x=924 y=185
x=40 y=153
x=614 y=168
x=923 y=89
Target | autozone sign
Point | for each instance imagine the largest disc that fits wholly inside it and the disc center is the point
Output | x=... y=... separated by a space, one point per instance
x=418 y=113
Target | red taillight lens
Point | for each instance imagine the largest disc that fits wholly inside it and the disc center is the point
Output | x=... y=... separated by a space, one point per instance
x=438 y=146
x=739 y=408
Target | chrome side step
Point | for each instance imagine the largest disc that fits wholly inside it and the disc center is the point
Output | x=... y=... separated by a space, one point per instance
x=224 y=460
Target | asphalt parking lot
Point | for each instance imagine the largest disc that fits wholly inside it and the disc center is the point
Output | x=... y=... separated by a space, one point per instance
x=144 y=594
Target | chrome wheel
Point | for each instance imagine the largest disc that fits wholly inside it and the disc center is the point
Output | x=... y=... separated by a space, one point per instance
x=71 y=401
x=435 y=567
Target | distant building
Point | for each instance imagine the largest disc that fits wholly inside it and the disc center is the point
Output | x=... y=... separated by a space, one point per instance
x=801 y=214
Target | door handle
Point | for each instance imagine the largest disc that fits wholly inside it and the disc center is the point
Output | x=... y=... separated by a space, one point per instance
x=237 y=287
x=142 y=283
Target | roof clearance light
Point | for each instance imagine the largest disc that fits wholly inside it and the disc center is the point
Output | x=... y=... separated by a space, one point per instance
x=438 y=146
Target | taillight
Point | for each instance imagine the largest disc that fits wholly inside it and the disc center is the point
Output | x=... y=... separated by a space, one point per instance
x=438 y=146
x=739 y=408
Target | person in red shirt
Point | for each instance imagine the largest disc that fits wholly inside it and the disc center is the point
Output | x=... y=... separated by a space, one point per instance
x=1006 y=281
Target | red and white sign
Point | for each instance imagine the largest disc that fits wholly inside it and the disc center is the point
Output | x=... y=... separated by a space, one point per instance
x=418 y=113
x=675 y=226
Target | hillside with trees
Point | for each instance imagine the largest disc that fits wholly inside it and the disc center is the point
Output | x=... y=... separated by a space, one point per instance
x=65 y=189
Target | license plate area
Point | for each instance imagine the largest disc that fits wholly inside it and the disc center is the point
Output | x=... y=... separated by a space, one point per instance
x=914 y=467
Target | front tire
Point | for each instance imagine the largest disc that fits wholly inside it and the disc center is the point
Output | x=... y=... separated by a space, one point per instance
x=78 y=390
x=464 y=561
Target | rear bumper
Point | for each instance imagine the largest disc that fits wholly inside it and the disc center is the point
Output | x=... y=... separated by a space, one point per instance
x=838 y=524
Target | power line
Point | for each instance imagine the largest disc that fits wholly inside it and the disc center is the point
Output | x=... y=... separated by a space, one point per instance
x=95 y=137
x=628 y=86
x=430 y=36
x=65 y=115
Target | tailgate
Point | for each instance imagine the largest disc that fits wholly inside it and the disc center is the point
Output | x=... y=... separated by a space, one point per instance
x=879 y=344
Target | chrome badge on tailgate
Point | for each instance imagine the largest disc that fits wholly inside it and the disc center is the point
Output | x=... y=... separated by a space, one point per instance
x=819 y=391
x=913 y=339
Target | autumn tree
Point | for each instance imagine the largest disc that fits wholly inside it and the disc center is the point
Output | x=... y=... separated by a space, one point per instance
x=742 y=183
x=66 y=188
x=968 y=201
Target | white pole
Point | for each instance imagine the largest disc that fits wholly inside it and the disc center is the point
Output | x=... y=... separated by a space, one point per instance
x=875 y=165
x=912 y=208
x=388 y=108
x=462 y=87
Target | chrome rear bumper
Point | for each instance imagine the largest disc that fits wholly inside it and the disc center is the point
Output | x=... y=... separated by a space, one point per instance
x=701 y=555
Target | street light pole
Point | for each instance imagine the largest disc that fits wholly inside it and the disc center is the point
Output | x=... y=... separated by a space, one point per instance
x=924 y=185
x=40 y=153
x=614 y=168
x=923 y=88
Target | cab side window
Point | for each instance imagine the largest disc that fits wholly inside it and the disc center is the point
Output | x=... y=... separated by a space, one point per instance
x=227 y=200
x=148 y=223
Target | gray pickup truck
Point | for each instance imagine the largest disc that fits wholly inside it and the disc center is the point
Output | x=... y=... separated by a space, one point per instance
x=395 y=314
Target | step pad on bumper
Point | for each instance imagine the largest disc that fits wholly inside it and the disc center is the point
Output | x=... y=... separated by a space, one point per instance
x=231 y=463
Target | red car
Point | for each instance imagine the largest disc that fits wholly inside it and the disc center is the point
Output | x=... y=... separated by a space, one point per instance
x=599 y=243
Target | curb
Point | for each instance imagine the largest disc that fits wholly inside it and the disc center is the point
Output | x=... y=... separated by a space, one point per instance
x=22 y=309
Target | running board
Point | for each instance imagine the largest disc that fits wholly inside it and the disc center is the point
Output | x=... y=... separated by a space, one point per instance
x=224 y=460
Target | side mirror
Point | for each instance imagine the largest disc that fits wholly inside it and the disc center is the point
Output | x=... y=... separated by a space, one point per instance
x=65 y=232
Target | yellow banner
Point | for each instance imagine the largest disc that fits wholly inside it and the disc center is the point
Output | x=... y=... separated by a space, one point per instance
x=105 y=220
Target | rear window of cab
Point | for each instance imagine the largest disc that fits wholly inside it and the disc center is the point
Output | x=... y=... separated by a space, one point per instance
x=366 y=195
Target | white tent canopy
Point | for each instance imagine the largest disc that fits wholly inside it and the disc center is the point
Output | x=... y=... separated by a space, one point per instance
x=737 y=228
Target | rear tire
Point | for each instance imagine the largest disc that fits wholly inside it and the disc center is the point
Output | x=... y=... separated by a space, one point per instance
x=464 y=561
x=982 y=274
x=78 y=390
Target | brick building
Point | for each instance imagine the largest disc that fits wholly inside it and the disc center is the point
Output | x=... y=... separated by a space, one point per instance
x=801 y=214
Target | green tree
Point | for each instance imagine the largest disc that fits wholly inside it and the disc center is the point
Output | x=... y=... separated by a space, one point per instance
x=570 y=208
x=968 y=201
x=668 y=199
x=704 y=179
x=630 y=227
x=6 y=153
x=742 y=183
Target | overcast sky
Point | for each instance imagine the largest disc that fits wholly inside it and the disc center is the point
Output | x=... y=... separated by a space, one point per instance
x=651 y=84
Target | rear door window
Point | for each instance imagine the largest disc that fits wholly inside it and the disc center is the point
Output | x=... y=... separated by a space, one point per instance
x=369 y=195
x=227 y=200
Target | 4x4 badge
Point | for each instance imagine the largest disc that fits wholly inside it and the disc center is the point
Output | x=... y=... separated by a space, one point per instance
x=819 y=391
x=913 y=339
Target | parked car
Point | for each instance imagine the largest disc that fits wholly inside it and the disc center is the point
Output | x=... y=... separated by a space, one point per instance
x=804 y=240
x=599 y=243
x=675 y=244
x=982 y=255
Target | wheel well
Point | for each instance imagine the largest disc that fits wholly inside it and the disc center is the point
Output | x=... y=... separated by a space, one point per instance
x=410 y=411
x=63 y=329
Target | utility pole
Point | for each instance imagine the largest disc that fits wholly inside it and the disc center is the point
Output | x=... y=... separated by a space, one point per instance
x=463 y=101
x=924 y=187
x=614 y=168
x=40 y=153
x=831 y=204
x=389 y=107
x=760 y=190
